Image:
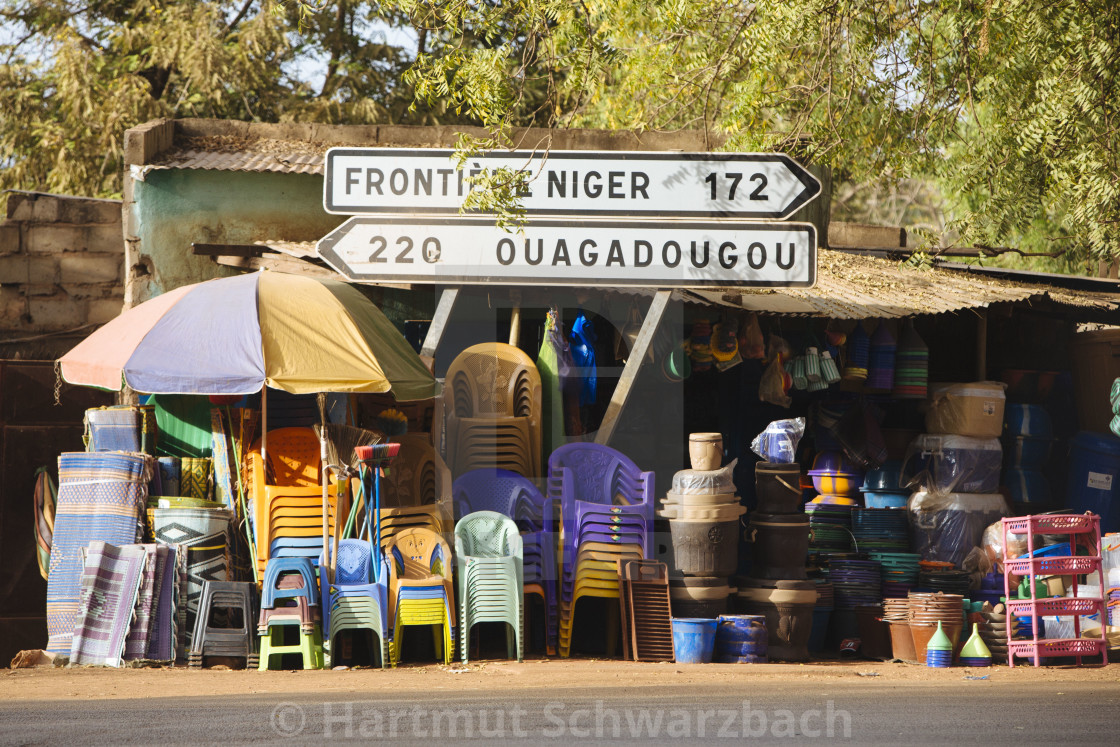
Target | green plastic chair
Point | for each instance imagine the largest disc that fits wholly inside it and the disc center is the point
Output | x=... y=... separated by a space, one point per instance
x=489 y=561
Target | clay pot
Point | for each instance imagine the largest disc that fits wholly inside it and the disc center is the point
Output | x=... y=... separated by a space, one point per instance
x=705 y=450
x=902 y=642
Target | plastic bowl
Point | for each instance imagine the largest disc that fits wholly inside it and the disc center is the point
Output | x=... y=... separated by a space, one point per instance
x=885 y=479
x=837 y=484
x=833 y=462
x=874 y=499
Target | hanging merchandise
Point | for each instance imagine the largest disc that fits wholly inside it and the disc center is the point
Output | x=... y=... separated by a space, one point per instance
x=859 y=350
x=725 y=344
x=553 y=357
x=676 y=365
x=880 y=367
x=911 y=375
x=700 y=345
x=751 y=343
x=830 y=374
x=583 y=355
x=812 y=365
x=772 y=388
x=795 y=367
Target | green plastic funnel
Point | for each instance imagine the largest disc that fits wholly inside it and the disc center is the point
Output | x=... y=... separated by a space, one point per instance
x=974 y=648
x=939 y=641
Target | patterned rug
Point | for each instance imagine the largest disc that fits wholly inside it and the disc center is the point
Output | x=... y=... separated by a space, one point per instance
x=161 y=637
x=169 y=468
x=194 y=477
x=100 y=498
x=110 y=582
x=127 y=428
x=147 y=622
x=202 y=536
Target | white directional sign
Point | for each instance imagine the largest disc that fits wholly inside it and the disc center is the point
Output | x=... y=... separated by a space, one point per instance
x=414 y=249
x=591 y=183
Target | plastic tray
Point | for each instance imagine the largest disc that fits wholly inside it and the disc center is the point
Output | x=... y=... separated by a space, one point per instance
x=1052 y=524
x=1079 y=565
x=1056 y=606
x=1050 y=647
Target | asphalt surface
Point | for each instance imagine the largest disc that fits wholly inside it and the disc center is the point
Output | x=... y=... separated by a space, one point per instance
x=973 y=712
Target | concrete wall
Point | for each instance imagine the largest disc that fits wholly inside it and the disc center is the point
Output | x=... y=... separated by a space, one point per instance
x=171 y=209
x=61 y=269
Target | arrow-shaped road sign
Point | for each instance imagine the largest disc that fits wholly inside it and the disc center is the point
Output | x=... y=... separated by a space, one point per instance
x=586 y=183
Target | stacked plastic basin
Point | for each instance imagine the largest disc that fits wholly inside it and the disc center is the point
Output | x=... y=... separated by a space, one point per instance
x=704 y=513
x=836 y=479
x=1028 y=436
x=882 y=489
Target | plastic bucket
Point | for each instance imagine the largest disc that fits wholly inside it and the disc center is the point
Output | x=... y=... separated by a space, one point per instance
x=780 y=545
x=694 y=640
x=821 y=617
x=1094 y=477
x=777 y=487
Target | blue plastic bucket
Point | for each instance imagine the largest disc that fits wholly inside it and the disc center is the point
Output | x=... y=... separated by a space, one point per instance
x=1094 y=477
x=1027 y=486
x=694 y=639
x=1027 y=420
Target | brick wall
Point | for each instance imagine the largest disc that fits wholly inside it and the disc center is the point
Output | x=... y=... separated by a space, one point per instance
x=61 y=268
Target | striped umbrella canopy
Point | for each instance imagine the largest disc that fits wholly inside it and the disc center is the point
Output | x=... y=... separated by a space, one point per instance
x=235 y=335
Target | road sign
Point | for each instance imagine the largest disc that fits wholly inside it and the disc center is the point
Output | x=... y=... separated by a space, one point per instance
x=582 y=252
x=586 y=183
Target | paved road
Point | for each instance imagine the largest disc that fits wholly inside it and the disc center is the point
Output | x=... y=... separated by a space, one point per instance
x=973 y=712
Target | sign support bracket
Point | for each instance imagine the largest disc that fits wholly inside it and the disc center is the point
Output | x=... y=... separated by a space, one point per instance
x=642 y=344
x=440 y=318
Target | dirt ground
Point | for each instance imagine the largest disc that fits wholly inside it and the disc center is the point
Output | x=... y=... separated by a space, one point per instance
x=542 y=675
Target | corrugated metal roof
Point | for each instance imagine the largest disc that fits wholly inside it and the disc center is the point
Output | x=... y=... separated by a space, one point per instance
x=284 y=162
x=857 y=287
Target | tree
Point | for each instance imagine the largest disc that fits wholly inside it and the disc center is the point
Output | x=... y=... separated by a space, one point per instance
x=1005 y=110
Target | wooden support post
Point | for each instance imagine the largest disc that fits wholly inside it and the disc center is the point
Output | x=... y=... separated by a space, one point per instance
x=439 y=322
x=982 y=345
x=633 y=365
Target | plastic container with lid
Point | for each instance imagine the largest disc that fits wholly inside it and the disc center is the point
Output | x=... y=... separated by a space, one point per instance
x=946 y=527
x=948 y=463
x=974 y=409
x=704 y=481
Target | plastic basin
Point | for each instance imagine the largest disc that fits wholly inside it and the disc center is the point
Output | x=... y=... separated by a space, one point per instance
x=694 y=639
x=872 y=499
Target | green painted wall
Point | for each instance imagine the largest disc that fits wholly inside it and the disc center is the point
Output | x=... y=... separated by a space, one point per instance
x=172 y=209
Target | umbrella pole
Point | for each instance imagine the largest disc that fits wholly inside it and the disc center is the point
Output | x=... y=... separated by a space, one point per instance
x=264 y=428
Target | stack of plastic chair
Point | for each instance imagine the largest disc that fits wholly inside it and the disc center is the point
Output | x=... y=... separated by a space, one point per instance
x=416 y=490
x=288 y=497
x=290 y=597
x=492 y=398
x=234 y=639
x=421 y=587
x=358 y=599
x=606 y=510
x=514 y=496
x=488 y=565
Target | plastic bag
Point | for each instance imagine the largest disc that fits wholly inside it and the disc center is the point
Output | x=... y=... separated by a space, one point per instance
x=952 y=464
x=992 y=545
x=947 y=526
x=771 y=388
x=751 y=344
x=778 y=443
x=705 y=482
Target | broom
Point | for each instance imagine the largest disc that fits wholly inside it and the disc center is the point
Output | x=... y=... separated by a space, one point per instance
x=374 y=458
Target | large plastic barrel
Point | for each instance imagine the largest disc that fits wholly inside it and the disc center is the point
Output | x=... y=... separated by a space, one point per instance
x=1094 y=477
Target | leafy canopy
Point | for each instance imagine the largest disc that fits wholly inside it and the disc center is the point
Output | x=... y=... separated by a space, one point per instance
x=1007 y=109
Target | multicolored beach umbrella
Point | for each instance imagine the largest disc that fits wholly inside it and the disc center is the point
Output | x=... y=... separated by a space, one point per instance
x=234 y=335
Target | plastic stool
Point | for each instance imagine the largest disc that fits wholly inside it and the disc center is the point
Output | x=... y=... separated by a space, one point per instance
x=274 y=587
x=211 y=640
x=310 y=646
x=300 y=612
